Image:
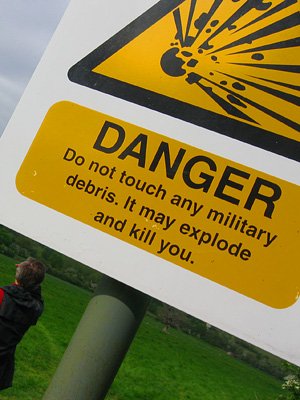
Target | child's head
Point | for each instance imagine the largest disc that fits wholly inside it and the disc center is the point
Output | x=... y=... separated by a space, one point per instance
x=30 y=273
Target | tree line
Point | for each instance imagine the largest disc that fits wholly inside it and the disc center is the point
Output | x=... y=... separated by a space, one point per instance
x=19 y=247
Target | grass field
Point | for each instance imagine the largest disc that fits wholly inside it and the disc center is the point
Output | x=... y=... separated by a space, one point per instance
x=158 y=366
x=161 y=366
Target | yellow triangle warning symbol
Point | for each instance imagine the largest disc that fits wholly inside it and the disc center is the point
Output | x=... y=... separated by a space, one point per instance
x=229 y=66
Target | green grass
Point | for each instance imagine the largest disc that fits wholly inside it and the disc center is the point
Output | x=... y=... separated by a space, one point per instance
x=175 y=366
x=158 y=366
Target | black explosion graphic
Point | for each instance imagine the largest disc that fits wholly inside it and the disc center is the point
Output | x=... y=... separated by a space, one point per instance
x=206 y=51
x=233 y=66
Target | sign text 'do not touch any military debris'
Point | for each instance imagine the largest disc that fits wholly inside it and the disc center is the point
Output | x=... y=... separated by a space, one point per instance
x=221 y=220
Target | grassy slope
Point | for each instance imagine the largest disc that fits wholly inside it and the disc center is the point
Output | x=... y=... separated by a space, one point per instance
x=161 y=366
x=158 y=366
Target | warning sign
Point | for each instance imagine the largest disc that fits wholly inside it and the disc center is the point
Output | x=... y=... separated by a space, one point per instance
x=125 y=160
x=230 y=66
x=216 y=218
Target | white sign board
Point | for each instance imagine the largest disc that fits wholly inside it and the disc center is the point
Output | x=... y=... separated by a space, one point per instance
x=158 y=143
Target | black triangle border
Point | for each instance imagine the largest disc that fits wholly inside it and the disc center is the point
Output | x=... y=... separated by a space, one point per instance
x=81 y=73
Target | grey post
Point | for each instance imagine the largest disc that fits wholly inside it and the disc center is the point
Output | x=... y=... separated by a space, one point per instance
x=100 y=343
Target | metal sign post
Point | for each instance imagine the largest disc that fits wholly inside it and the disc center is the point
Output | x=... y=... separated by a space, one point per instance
x=100 y=343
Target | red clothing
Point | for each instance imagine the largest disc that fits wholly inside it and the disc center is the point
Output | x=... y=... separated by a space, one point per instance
x=2 y=293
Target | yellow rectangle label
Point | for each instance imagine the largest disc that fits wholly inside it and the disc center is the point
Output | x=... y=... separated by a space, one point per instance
x=224 y=221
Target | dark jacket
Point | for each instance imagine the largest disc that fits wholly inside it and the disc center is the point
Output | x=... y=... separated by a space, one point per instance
x=19 y=310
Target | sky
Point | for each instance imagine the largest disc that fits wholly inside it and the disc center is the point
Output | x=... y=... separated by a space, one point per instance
x=26 y=27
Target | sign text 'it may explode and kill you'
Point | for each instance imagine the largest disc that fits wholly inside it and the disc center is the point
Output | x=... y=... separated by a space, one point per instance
x=221 y=220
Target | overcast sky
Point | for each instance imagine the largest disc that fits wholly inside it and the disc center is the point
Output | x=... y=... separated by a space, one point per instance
x=26 y=27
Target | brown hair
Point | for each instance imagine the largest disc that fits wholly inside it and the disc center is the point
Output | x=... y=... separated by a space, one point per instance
x=30 y=273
